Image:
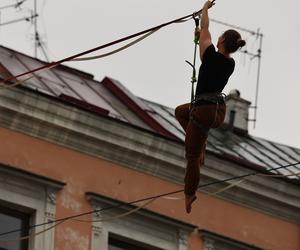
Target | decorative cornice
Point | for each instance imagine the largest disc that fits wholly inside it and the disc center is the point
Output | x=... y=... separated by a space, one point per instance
x=39 y=179
x=212 y=238
x=109 y=202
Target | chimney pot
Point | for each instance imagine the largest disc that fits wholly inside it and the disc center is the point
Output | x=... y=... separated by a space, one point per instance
x=237 y=112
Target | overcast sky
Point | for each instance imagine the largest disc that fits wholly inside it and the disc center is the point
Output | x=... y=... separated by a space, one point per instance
x=155 y=69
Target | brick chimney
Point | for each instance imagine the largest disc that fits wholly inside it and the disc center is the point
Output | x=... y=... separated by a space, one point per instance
x=237 y=112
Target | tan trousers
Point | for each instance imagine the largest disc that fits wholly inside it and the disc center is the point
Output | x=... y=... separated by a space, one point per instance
x=211 y=116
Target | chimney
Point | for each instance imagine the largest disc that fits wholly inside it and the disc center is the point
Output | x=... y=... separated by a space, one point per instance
x=237 y=112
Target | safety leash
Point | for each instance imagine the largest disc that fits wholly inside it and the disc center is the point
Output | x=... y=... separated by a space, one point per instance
x=201 y=126
x=194 y=77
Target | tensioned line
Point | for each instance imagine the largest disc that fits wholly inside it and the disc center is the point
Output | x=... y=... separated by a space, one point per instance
x=152 y=197
x=54 y=64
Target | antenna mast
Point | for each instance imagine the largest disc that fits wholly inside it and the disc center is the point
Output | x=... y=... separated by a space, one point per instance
x=33 y=19
x=254 y=55
x=36 y=38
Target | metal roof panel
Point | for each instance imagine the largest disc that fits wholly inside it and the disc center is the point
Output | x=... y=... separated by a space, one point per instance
x=68 y=82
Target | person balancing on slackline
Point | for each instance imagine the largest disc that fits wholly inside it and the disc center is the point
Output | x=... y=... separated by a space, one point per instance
x=207 y=109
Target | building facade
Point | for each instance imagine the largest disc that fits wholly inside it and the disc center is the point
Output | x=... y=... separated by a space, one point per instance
x=71 y=145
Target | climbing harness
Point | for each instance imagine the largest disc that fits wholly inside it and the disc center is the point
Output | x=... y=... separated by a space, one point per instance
x=206 y=99
x=198 y=124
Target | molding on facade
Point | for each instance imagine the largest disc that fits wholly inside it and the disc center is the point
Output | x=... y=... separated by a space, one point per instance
x=143 y=226
x=30 y=193
x=147 y=214
x=39 y=179
x=213 y=241
x=40 y=116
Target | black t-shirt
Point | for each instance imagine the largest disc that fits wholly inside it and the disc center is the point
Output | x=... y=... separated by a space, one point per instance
x=214 y=71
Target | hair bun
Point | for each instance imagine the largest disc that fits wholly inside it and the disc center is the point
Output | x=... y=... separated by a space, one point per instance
x=241 y=43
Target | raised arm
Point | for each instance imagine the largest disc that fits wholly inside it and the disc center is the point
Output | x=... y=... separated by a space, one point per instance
x=205 y=37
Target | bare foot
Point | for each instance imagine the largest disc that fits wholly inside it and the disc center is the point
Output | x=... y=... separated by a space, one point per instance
x=189 y=199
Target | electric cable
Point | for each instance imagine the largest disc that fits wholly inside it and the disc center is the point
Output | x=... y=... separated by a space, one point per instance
x=31 y=235
x=153 y=197
x=80 y=220
x=227 y=187
x=119 y=215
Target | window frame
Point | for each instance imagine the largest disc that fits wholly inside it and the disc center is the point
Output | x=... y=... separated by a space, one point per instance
x=25 y=217
x=31 y=194
x=213 y=241
x=150 y=228
x=132 y=243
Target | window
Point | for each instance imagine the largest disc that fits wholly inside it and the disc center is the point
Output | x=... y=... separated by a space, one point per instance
x=117 y=243
x=213 y=241
x=10 y=220
x=142 y=230
x=26 y=199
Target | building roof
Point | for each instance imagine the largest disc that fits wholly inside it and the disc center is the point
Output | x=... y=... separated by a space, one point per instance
x=110 y=98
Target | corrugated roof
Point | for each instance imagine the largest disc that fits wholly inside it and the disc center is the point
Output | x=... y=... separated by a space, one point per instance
x=111 y=98
x=258 y=151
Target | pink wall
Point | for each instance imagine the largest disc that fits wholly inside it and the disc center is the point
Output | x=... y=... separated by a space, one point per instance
x=84 y=173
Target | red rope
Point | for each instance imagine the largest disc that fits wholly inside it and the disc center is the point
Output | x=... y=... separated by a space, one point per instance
x=54 y=64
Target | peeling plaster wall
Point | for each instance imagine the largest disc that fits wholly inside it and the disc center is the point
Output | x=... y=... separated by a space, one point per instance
x=70 y=239
x=84 y=173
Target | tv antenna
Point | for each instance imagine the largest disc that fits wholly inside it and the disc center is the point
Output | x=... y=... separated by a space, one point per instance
x=33 y=19
x=16 y=5
x=256 y=54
